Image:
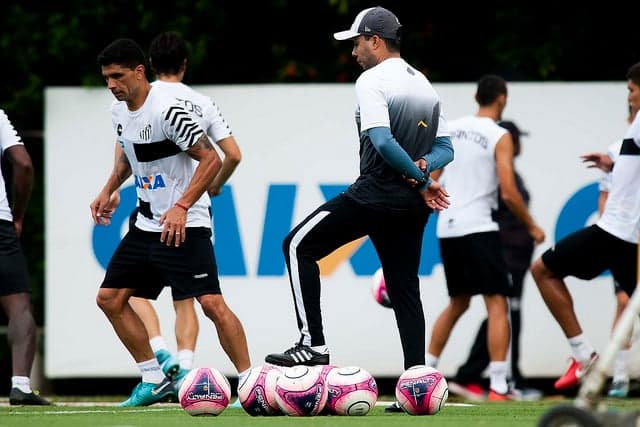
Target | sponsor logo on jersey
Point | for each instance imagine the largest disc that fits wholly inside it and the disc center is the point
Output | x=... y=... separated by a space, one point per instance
x=422 y=123
x=150 y=182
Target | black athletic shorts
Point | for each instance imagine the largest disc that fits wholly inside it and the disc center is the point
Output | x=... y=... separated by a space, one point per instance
x=589 y=252
x=14 y=277
x=143 y=263
x=474 y=265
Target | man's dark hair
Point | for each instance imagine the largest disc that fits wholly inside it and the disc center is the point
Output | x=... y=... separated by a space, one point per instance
x=124 y=52
x=634 y=73
x=490 y=87
x=167 y=53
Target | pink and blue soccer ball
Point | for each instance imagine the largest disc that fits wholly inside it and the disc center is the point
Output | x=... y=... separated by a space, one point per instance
x=301 y=391
x=422 y=390
x=379 y=289
x=257 y=392
x=351 y=391
x=204 y=391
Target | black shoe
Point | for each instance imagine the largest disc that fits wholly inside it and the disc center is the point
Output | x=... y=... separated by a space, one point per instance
x=19 y=397
x=393 y=408
x=298 y=355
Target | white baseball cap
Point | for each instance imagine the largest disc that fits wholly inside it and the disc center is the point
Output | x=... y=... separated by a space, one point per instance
x=373 y=21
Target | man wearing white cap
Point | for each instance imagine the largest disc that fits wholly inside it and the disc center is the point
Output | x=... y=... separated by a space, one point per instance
x=403 y=137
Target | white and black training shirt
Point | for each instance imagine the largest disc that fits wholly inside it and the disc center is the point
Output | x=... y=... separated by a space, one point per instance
x=471 y=178
x=8 y=138
x=154 y=139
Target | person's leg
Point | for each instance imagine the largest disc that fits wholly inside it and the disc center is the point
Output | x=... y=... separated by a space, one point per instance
x=398 y=242
x=186 y=329
x=498 y=336
x=470 y=372
x=230 y=331
x=21 y=332
x=556 y=296
x=126 y=323
x=147 y=313
x=620 y=380
x=446 y=321
x=337 y=222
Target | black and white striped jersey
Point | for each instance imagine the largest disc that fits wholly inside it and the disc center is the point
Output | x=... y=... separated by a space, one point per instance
x=202 y=108
x=155 y=138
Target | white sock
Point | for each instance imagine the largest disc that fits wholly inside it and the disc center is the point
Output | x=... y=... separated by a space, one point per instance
x=620 y=366
x=21 y=383
x=242 y=375
x=186 y=358
x=431 y=360
x=158 y=343
x=581 y=348
x=498 y=377
x=151 y=371
x=322 y=349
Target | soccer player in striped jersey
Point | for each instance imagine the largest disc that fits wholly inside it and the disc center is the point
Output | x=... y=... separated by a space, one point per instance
x=168 y=56
x=170 y=243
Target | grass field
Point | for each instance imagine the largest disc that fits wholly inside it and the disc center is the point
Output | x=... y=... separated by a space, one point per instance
x=94 y=413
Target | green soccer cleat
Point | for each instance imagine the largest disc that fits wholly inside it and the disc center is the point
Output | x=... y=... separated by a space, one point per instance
x=145 y=394
x=168 y=362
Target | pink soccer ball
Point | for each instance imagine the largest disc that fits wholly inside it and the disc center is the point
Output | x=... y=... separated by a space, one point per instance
x=301 y=391
x=379 y=289
x=422 y=390
x=351 y=391
x=257 y=393
x=204 y=391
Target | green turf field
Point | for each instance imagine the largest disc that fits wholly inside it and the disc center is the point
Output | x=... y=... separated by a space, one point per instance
x=98 y=414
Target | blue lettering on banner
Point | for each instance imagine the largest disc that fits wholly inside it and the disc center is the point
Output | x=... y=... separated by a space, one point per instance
x=278 y=221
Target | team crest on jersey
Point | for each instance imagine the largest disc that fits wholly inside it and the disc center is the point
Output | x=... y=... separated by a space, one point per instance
x=150 y=182
x=145 y=134
x=119 y=129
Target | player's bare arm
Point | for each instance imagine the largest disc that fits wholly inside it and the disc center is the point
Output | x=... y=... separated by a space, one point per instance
x=175 y=219
x=108 y=199
x=22 y=183
x=598 y=160
x=232 y=157
x=509 y=190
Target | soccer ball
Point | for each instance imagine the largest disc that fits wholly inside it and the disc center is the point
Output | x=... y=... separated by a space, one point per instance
x=301 y=391
x=257 y=391
x=379 y=289
x=422 y=390
x=351 y=391
x=204 y=391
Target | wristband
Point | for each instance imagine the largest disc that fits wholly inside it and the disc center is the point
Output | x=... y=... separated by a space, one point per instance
x=180 y=205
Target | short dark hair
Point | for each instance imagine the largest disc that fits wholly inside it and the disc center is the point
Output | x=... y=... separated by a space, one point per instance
x=634 y=73
x=125 y=52
x=168 y=52
x=490 y=87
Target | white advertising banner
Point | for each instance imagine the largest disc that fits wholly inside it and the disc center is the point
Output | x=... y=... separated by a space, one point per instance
x=300 y=148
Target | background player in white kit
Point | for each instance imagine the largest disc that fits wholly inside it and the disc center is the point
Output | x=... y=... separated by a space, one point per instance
x=170 y=243
x=470 y=243
x=15 y=284
x=609 y=244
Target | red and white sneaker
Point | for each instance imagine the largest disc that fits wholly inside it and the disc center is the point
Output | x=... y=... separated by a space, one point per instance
x=471 y=391
x=494 y=396
x=574 y=373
